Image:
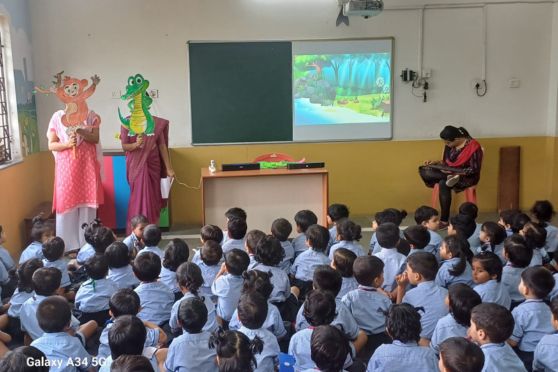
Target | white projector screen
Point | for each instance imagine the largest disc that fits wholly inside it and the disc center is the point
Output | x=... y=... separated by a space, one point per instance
x=342 y=90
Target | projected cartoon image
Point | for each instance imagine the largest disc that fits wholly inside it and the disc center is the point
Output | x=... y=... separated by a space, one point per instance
x=342 y=88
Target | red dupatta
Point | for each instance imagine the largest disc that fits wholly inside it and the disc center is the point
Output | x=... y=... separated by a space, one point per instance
x=465 y=154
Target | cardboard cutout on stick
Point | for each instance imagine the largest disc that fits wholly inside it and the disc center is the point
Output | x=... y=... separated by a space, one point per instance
x=72 y=93
x=140 y=121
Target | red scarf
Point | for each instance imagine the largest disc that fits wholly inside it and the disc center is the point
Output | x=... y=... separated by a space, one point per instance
x=465 y=154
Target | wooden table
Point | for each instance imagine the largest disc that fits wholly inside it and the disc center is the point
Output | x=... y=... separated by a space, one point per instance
x=265 y=195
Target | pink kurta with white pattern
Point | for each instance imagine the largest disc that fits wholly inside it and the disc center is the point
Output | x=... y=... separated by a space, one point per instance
x=77 y=181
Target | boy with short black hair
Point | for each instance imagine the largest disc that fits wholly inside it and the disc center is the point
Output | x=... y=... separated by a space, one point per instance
x=281 y=228
x=127 y=337
x=428 y=217
x=120 y=270
x=208 y=258
x=92 y=297
x=335 y=212
x=387 y=235
x=252 y=312
x=134 y=240
x=189 y=351
x=46 y=282
x=421 y=271
x=54 y=316
x=533 y=318
x=304 y=219
x=156 y=298
x=227 y=286
x=53 y=253
x=302 y=270
x=457 y=354
x=418 y=238
x=518 y=255
x=211 y=232
x=252 y=239
x=546 y=353
x=127 y=302
x=236 y=231
x=367 y=304
x=491 y=326
x=151 y=240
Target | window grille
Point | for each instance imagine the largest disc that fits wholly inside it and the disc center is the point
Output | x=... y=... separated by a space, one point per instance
x=5 y=137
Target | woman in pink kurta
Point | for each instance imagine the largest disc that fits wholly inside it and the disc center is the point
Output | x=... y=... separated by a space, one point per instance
x=78 y=190
x=147 y=161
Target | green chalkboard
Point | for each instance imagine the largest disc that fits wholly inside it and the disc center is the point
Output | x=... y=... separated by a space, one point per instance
x=241 y=92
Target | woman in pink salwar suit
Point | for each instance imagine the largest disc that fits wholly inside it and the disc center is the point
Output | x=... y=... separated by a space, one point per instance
x=147 y=161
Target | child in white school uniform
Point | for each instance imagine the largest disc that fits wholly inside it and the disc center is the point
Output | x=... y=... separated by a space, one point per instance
x=92 y=297
x=472 y=211
x=487 y=275
x=368 y=303
x=190 y=351
x=533 y=318
x=87 y=250
x=518 y=255
x=251 y=241
x=506 y=219
x=231 y=214
x=387 y=235
x=46 y=282
x=9 y=321
x=491 y=326
x=348 y=235
x=252 y=312
x=420 y=272
x=259 y=281
x=151 y=240
x=281 y=228
x=303 y=219
x=492 y=236
x=460 y=301
x=328 y=279
x=8 y=278
x=543 y=211
x=454 y=267
x=342 y=262
x=429 y=217
x=459 y=354
x=235 y=351
x=127 y=337
x=53 y=252
x=54 y=317
x=535 y=237
x=405 y=354
x=319 y=309
x=208 y=258
x=302 y=270
x=418 y=237
x=134 y=240
x=120 y=270
x=176 y=253
x=392 y=215
x=190 y=279
x=546 y=352
x=227 y=286
x=329 y=349
x=127 y=302
x=335 y=212
x=156 y=298
x=269 y=255
x=41 y=231
x=236 y=231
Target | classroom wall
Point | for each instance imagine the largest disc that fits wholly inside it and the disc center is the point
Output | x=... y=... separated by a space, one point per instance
x=24 y=186
x=116 y=39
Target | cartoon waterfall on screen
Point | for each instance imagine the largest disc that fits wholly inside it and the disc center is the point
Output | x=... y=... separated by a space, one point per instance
x=342 y=88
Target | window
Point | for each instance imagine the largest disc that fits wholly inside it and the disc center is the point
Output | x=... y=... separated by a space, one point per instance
x=5 y=137
x=10 y=145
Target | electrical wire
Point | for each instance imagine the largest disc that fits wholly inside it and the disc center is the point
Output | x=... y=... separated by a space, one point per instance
x=478 y=89
x=183 y=183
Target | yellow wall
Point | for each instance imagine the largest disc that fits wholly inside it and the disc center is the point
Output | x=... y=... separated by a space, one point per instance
x=23 y=187
x=369 y=176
